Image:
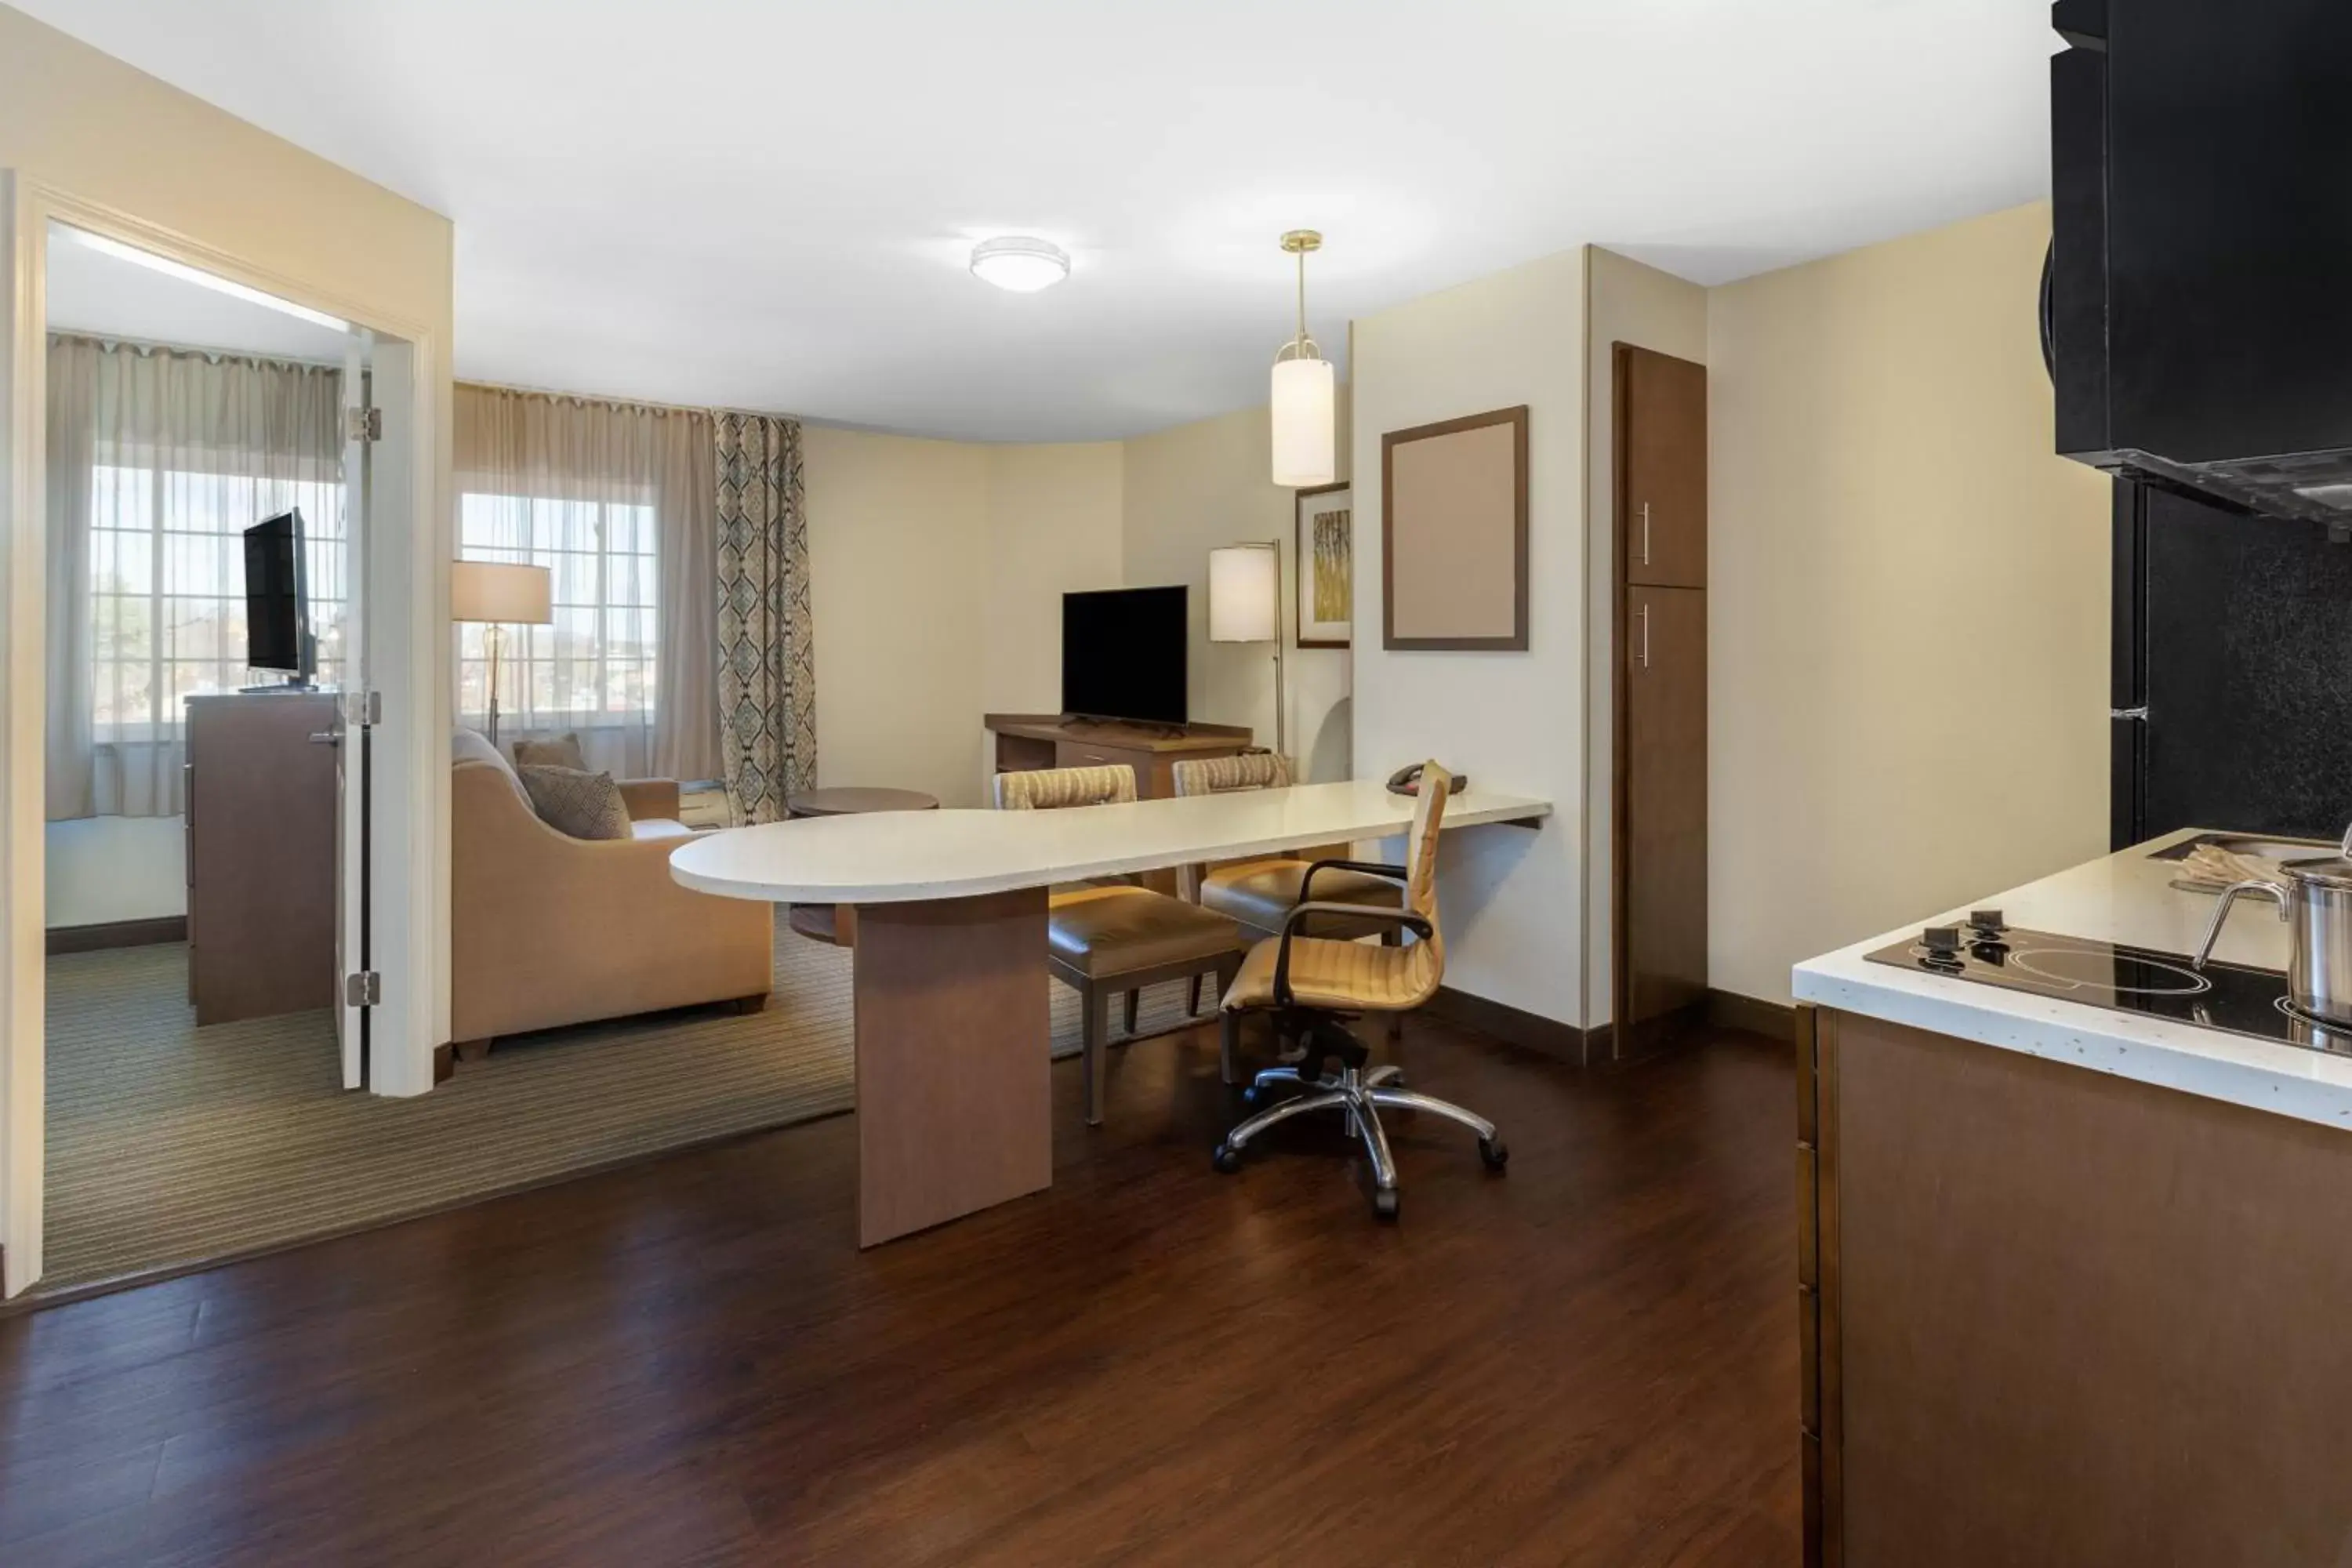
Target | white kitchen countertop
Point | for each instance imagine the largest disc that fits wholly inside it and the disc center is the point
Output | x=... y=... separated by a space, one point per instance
x=898 y=857
x=2124 y=898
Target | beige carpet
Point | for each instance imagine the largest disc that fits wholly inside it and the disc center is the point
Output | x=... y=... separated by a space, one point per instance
x=169 y=1144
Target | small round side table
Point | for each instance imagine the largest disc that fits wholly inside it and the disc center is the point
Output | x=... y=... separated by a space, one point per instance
x=838 y=924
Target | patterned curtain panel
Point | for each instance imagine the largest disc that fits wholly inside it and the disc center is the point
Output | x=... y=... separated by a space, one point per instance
x=767 y=663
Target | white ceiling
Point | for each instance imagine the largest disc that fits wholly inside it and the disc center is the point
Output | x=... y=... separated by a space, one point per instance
x=105 y=296
x=769 y=204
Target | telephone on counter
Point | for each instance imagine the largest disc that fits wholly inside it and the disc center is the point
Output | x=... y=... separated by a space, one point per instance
x=1407 y=781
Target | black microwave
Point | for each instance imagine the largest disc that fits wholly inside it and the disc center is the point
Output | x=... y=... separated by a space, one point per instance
x=2197 y=303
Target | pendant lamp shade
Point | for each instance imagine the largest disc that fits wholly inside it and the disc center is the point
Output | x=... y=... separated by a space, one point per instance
x=1302 y=400
x=1301 y=397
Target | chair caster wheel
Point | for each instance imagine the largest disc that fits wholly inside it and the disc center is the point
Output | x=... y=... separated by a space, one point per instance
x=1384 y=1203
x=1227 y=1158
x=1494 y=1152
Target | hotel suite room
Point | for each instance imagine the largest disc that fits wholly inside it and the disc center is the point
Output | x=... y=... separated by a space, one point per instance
x=1094 y=834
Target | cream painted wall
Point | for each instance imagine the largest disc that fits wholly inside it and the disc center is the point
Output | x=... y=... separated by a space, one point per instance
x=897 y=552
x=1629 y=303
x=102 y=869
x=922 y=551
x=1512 y=899
x=1191 y=489
x=84 y=121
x=936 y=575
x=1908 y=612
x=1053 y=528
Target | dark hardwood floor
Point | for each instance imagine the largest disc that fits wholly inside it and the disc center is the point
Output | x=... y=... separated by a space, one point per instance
x=1588 y=1360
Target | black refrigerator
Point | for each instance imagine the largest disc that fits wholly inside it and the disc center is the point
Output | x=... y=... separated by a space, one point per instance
x=2232 y=684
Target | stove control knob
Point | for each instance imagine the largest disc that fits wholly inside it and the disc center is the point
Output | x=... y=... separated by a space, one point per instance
x=1986 y=920
x=1941 y=939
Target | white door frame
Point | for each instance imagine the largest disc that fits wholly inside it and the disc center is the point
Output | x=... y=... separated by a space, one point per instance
x=409 y=547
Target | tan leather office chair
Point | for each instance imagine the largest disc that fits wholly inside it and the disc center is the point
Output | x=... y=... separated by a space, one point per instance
x=1261 y=891
x=1313 y=985
x=1101 y=940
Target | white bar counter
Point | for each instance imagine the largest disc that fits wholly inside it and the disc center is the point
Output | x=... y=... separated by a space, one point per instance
x=953 y=1093
x=898 y=857
x=2122 y=897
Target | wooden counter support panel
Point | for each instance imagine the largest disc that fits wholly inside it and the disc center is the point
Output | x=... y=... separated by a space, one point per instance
x=953 y=1100
x=2070 y=1317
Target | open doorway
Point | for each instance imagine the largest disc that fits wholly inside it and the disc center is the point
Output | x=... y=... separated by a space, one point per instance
x=204 y=746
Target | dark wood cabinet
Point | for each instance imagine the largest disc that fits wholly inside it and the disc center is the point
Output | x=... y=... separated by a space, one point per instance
x=1026 y=740
x=261 y=854
x=1664 y=936
x=1660 y=468
x=1659 y=777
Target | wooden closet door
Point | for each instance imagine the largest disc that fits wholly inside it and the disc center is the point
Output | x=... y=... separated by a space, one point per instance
x=1661 y=468
x=1664 y=780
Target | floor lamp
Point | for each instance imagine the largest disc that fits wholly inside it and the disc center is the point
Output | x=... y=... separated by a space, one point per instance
x=1245 y=606
x=494 y=593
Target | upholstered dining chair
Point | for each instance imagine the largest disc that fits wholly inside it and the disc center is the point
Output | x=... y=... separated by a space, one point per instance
x=1313 y=985
x=1260 y=892
x=1109 y=938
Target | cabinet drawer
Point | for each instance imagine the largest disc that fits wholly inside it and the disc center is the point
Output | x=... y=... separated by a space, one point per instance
x=1079 y=754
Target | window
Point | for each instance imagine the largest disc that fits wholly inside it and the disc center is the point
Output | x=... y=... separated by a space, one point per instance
x=167 y=588
x=594 y=667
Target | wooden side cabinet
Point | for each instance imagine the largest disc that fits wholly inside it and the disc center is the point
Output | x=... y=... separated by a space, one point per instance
x=1659 y=973
x=1661 y=467
x=261 y=854
x=2049 y=1314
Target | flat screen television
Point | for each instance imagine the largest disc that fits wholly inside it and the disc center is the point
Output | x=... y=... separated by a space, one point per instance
x=1123 y=654
x=277 y=600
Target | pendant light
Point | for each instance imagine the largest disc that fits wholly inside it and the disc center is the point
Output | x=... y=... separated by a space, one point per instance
x=1301 y=399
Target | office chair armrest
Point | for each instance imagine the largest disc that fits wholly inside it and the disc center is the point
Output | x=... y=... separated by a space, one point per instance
x=1417 y=924
x=1369 y=867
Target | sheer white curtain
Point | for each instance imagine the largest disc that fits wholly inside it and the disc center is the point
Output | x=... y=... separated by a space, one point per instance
x=617 y=501
x=159 y=460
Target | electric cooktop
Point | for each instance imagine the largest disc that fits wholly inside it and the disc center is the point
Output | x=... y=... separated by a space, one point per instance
x=2229 y=996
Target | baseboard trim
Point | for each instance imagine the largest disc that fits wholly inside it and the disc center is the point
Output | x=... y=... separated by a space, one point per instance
x=118 y=933
x=1730 y=1010
x=1517 y=1027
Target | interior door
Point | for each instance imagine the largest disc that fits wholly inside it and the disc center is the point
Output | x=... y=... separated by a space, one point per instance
x=354 y=717
x=1661 y=468
x=1665 y=781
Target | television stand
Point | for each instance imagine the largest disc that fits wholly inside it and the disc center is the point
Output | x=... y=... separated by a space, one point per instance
x=1026 y=740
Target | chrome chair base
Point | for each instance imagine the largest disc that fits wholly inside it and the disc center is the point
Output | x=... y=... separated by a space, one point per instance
x=1359 y=1095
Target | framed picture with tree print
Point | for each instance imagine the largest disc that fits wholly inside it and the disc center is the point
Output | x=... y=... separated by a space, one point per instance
x=1326 y=566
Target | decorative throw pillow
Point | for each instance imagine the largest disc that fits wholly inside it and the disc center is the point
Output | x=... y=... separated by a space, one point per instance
x=575 y=802
x=551 y=752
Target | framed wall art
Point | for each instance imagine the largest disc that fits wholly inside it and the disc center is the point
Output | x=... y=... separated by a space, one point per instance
x=1325 y=553
x=1453 y=534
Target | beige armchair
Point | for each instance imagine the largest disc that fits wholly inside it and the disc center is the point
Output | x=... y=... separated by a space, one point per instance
x=548 y=930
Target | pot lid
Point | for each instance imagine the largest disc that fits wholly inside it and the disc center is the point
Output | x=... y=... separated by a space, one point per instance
x=2328 y=870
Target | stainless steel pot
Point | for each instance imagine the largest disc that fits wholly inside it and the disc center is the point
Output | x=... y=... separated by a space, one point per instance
x=2316 y=905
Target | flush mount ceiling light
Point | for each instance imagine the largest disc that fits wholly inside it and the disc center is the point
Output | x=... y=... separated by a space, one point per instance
x=1301 y=395
x=1019 y=263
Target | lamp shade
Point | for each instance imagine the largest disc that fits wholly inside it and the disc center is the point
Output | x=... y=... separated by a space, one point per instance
x=495 y=591
x=1302 y=401
x=1245 y=593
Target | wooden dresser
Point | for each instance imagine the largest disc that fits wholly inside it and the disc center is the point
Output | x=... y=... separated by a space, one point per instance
x=261 y=854
x=1026 y=740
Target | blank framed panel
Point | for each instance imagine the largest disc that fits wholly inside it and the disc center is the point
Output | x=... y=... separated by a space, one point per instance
x=1453 y=534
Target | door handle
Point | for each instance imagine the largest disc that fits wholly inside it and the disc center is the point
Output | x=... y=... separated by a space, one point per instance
x=1646 y=634
x=1645 y=538
x=326 y=738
